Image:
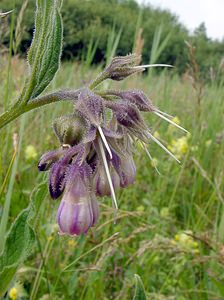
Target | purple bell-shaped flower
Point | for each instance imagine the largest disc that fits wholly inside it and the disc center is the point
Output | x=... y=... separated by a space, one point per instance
x=79 y=209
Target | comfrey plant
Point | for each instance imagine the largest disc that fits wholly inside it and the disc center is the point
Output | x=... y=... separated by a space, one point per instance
x=97 y=142
x=97 y=138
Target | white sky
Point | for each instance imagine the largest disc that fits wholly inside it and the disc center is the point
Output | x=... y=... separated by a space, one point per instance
x=193 y=12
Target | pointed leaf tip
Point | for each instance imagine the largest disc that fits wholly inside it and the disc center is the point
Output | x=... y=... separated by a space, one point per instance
x=139 y=289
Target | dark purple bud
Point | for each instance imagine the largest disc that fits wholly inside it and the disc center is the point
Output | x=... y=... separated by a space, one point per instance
x=101 y=183
x=49 y=158
x=122 y=67
x=57 y=175
x=126 y=114
x=70 y=129
x=57 y=179
x=136 y=97
x=75 y=213
x=90 y=106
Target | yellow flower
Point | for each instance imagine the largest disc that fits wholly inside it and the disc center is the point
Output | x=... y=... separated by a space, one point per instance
x=183 y=144
x=72 y=243
x=156 y=135
x=17 y=291
x=50 y=238
x=176 y=120
x=154 y=163
x=179 y=147
x=185 y=241
x=30 y=152
x=13 y=293
x=195 y=244
x=177 y=237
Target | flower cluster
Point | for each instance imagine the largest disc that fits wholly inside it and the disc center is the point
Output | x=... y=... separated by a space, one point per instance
x=97 y=143
x=185 y=241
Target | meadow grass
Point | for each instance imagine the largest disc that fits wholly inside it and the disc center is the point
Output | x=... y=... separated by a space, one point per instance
x=170 y=227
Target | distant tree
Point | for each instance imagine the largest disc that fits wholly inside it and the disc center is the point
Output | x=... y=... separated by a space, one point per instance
x=92 y=20
x=201 y=31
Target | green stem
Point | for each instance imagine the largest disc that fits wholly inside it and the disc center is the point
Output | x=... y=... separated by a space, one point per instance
x=22 y=105
x=20 y=108
x=102 y=76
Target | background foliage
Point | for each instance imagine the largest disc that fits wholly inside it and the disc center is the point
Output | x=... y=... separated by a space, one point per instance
x=92 y=21
x=170 y=228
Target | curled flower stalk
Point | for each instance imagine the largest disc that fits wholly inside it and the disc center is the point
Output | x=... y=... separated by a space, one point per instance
x=95 y=157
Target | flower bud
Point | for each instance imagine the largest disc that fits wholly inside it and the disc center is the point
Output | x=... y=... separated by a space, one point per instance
x=70 y=129
x=128 y=171
x=59 y=169
x=122 y=67
x=57 y=179
x=101 y=183
x=49 y=158
x=136 y=97
x=126 y=114
x=75 y=213
x=90 y=106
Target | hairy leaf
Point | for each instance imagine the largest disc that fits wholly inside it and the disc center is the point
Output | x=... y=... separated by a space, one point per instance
x=20 y=240
x=45 y=51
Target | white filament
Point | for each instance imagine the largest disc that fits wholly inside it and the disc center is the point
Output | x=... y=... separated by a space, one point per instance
x=150 y=156
x=152 y=66
x=114 y=201
x=163 y=147
x=170 y=121
x=164 y=113
x=105 y=141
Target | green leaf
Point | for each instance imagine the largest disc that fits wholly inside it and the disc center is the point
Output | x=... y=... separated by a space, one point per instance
x=139 y=289
x=219 y=285
x=18 y=244
x=45 y=51
x=20 y=240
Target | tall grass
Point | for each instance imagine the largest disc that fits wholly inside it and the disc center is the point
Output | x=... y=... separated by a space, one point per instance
x=170 y=227
x=152 y=212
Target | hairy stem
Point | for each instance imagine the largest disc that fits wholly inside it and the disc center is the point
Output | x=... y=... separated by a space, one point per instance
x=20 y=108
x=100 y=78
x=22 y=105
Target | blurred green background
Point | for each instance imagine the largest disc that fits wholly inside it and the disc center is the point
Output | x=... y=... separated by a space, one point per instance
x=92 y=24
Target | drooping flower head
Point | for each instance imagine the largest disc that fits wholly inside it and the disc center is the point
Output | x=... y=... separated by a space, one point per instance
x=97 y=142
